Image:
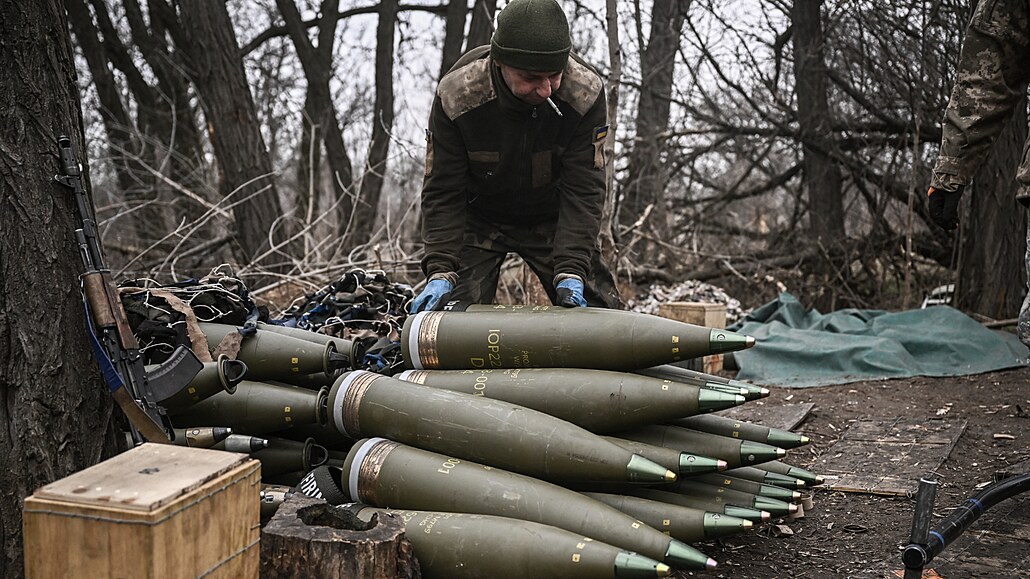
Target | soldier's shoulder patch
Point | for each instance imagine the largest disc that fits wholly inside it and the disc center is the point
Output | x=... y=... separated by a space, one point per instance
x=600 y=133
x=466 y=88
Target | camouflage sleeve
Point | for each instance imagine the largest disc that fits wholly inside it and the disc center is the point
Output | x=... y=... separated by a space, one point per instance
x=994 y=69
x=582 y=192
x=443 y=194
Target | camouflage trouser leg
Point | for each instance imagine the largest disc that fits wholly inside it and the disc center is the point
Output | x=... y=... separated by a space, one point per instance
x=487 y=245
x=1023 y=326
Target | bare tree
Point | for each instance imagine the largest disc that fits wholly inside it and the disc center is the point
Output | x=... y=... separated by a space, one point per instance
x=482 y=25
x=320 y=121
x=647 y=176
x=454 y=34
x=821 y=174
x=56 y=417
x=366 y=207
x=202 y=31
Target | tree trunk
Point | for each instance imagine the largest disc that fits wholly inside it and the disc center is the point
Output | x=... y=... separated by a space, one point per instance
x=647 y=176
x=320 y=124
x=366 y=209
x=55 y=418
x=172 y=117
x=821 y=177
x=205 y=34
x=309 y=538
x=116 y=120
x=607 y=235
x=991 y=256
x=482 y=25
x=454 y=34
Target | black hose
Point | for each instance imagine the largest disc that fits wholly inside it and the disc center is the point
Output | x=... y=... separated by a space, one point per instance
x=961 y=518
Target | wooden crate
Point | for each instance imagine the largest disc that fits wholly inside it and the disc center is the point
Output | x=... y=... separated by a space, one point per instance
x=704 y=314
x=154 y=512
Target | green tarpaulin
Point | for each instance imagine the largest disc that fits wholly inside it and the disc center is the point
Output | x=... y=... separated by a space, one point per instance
x=799 y=348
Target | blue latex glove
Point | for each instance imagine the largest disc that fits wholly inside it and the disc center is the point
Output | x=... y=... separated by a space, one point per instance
x=434 y=295
x=570 y=293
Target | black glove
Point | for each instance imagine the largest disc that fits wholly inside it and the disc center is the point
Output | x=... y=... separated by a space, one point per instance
x=944 y=207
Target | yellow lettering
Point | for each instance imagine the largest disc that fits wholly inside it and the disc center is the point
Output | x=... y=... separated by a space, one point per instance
x=476 y=362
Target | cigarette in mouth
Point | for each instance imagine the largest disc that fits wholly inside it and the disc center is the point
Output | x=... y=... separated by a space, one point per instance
x=554 y=106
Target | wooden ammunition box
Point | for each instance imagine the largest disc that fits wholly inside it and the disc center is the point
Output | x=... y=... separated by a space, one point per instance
x=704 y=314
x=154 y=512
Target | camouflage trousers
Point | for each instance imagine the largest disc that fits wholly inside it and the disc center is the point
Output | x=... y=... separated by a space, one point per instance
x=1023 y=326
x=487 y=245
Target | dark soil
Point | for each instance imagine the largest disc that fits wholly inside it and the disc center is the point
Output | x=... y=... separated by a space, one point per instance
x=861 y=535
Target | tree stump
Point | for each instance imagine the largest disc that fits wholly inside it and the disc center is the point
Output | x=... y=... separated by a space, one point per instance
x=310 y=538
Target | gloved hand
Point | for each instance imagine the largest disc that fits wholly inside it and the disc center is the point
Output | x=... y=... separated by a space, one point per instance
x=943 y=207
x=434 y=295
x=570 y=293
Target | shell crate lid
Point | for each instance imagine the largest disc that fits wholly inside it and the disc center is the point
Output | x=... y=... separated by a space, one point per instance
x=144 y=478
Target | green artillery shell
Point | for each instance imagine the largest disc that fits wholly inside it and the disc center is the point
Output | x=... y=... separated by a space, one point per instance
x=747 y=486
x=810 y=478
x=200 y=437
x=283 y=456
x=381 y=472
x=555 y=337
x=765 y=477
x=242 y=443
x=258 y=408
x=733 y=497
x=684 y=523
x=680 y=462
x=734 y=452
x=349 y=348
x=272 y=356
x=675 y=373
x=310 y=381
x=492 y=432
x=325 y=434
x=460 y=545
x=717 y=504
x=272 y=496
x=723 y=426
x=597 y=400
x=221 y=375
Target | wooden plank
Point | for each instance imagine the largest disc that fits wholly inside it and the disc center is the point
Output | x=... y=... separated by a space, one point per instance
x=1013 y=470
x=887 y=456
x=783 y=416
x=890 y=486
x=144 y=478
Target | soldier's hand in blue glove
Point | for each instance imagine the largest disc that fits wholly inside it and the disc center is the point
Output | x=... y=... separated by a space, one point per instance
x=570 y=293
x=943 y=207
x=432 y=297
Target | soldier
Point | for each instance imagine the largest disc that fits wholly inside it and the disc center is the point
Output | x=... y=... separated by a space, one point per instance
x=993 y=74
x=515 y=163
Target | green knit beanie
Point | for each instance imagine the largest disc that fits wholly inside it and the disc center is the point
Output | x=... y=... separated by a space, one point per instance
x=532 y=35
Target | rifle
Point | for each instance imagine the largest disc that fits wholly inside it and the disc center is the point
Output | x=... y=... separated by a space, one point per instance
x=114 y=345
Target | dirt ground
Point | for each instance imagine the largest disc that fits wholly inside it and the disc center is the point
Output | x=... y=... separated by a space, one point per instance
x=861 y=535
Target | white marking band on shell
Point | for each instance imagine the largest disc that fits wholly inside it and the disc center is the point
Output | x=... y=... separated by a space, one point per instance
x=340 y=400
x=355 y=466
x=404 y=375
x=416 y=327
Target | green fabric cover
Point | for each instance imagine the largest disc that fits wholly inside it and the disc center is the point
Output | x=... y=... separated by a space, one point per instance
x=800 y=348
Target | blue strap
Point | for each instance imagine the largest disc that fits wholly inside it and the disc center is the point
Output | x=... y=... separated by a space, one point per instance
x=114 y=381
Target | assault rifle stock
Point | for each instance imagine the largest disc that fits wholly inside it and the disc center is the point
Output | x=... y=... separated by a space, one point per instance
x=114 y=345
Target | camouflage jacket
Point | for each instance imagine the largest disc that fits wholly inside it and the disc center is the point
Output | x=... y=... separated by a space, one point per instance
x=510 y=162
x=994 y=70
